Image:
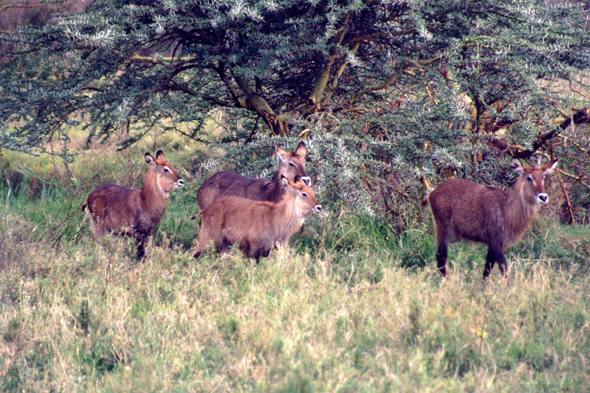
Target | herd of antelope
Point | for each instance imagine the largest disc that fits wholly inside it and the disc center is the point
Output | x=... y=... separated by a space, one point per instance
x=259 y=214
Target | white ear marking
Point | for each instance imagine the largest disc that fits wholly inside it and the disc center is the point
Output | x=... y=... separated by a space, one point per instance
x=282 y=156
x=516 y=165
x=301 y=149
x=149 y=159
x=551 y=169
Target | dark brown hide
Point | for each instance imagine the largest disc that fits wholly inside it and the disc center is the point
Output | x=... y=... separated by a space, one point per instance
x=134 y=212
x=257 y=226
x=231 y=184
x=464 y=210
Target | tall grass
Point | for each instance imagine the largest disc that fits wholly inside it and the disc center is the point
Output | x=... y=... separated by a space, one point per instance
x=352 y=306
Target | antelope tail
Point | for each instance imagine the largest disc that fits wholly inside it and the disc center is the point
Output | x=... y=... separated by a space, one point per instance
x=197 y=215
x=425 y=200
x=84 y=206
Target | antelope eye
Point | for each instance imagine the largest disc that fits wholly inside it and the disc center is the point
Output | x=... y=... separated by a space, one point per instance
x=166 y=169
x=304 y=194
x=292 y=164
x=529 y=178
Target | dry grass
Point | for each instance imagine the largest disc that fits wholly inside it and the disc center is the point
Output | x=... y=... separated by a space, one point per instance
x=353 y=306
x=88 y=318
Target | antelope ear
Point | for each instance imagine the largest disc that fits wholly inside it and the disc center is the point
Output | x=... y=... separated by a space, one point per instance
x=160 y=155
x=149 y=159
x=516 y=166
x=549 y=168
x=286 y=183
x=301 y=149
x=282 y=155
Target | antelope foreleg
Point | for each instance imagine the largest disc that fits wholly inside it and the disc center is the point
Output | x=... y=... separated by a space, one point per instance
x=441 y=259
x=494 y=255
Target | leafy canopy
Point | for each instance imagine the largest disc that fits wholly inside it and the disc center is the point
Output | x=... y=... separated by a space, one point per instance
x=130 y=64
x=384 y=88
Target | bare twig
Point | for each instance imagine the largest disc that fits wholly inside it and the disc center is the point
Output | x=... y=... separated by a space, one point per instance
x=578 y=178
x=567 y=198
x=580 y=93
x=7 y=6
x=581 y=116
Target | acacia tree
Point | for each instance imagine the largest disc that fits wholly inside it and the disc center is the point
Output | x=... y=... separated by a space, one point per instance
x=426 y=84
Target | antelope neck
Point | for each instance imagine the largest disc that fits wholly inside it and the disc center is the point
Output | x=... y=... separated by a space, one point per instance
x=518 y=213
x=274 y=191
x=154 y=198
x=289 y=216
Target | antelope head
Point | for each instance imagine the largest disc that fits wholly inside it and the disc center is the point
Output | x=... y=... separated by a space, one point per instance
x=293 y=164
x=533 y=177
x=166 y=177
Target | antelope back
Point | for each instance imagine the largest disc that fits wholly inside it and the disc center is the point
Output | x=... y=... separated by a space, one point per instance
x=127 y=211
x=224 y=184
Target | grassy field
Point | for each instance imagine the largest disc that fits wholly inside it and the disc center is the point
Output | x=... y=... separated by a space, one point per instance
x=353 y=306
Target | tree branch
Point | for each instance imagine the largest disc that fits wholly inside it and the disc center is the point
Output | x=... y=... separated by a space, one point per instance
x=373 y=37
x=393 y=79
x=278 y=125
x=334 y=83
x=218 y=101
x=582 y=116
x=7 y=6
x=580 y=93
x=239 y=102
x=255 y=100
x=159 y=60
x=578 y=178
x=324 y=77
x=189 y=91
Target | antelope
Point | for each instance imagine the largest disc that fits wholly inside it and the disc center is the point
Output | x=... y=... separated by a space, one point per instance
x=464 y=210
x=257 y=226
x=134 y=212
x=231 y=184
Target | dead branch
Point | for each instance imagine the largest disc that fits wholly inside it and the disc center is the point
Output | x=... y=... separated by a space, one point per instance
x=581 y=116
x=7 y=6
x=578 y=178
x=567 y=198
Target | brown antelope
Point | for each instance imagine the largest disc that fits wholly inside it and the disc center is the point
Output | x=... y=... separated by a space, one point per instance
x=464 y=210
x=231 y=184
x=257 y=226
x=134 y=212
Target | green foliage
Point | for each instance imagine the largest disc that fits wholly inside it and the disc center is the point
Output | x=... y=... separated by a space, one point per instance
x=388 y=95
x=176 y=227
